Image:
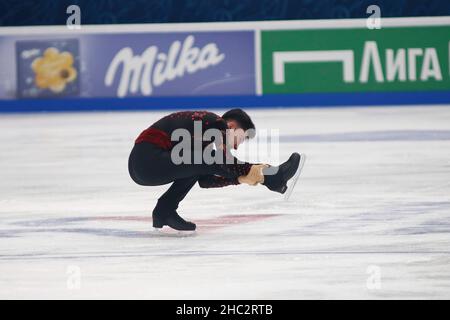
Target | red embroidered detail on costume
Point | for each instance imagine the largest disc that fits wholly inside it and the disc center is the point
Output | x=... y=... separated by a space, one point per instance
x=198 y=115
x=156 y=137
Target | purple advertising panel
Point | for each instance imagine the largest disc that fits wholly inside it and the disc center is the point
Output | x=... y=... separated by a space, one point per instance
x=128 y=65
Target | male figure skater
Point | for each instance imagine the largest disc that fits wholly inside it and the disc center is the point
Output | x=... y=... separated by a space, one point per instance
x=151 y=161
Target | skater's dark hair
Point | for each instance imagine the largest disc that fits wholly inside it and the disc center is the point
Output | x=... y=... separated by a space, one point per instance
x=242 y=118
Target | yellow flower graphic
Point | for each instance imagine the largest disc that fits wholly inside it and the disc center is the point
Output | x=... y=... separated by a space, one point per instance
x=54 y=70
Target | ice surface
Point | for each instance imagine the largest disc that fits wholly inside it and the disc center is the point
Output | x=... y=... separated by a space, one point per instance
x=373 y=203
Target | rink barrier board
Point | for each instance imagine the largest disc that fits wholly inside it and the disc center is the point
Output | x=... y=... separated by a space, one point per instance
x=269 y=101
x=255 y=99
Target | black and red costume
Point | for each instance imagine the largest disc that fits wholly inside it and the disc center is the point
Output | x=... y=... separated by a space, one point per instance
x=150 y=161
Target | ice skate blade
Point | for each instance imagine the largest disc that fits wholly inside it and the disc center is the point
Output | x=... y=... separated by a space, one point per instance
x=169 y=232
x=293 y=181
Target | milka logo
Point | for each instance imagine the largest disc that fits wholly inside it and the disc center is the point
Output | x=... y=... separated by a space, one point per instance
x=153 y=68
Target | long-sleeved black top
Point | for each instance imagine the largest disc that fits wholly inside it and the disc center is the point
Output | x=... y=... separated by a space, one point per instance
x=231 y=167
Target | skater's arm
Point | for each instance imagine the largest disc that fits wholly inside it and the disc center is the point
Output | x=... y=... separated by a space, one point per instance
x=229 y=170
x=232 y=167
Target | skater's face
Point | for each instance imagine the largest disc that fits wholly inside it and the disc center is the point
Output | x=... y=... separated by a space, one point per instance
x=236 y=135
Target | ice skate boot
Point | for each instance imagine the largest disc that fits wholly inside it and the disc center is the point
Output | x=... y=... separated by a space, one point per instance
x=276 y=178
x=171 y=219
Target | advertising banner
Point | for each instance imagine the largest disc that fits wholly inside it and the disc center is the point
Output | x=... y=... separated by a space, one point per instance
x=128 y=65
x=355 y=60
x=208 y=65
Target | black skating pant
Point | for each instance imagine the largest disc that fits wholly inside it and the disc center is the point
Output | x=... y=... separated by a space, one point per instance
x=150 y=165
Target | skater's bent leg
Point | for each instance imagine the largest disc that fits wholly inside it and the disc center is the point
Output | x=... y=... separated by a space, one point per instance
x=165 y=211
x=214 y=181
x=150 y=166
x=170 y=200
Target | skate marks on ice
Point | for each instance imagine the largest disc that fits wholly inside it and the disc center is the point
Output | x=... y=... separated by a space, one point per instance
x=211 y=224
x=90 y=226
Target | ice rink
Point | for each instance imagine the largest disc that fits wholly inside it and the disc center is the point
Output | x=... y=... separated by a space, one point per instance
x=369 y=218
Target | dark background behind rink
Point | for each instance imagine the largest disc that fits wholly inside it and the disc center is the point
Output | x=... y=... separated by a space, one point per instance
x=53 y=12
